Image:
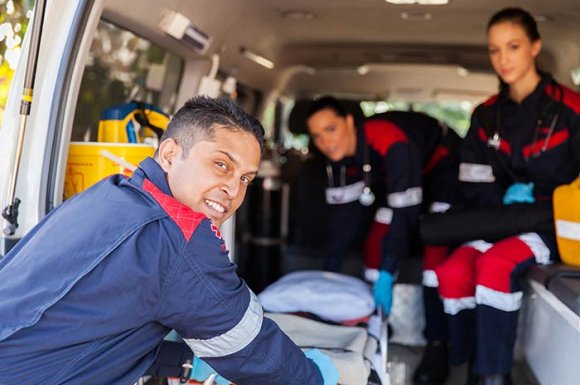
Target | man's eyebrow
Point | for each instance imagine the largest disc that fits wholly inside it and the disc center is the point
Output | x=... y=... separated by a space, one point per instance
x=230 y=157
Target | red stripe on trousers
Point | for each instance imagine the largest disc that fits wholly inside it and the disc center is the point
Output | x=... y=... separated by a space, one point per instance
x=434 y=256
x=467 y=267
x=494 y=267
x=456 y=275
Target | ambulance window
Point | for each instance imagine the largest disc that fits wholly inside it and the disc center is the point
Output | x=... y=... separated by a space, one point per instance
x=123 y=67
x=455 y=114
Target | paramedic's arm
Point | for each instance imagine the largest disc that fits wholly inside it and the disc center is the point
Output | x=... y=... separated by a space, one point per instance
x=221 y=319
x=475 y=172
x=404 y=197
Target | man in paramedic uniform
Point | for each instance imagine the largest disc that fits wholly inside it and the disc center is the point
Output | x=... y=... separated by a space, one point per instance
x=89 y=294
x=409 y=162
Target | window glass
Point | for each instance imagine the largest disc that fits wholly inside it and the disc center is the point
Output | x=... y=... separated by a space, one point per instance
x=123 y=67
x=455 y=114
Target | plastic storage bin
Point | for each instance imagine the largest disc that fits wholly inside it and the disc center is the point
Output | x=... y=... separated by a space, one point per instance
x=89 y=162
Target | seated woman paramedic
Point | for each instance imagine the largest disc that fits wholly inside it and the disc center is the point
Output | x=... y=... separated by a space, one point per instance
x=522 y=143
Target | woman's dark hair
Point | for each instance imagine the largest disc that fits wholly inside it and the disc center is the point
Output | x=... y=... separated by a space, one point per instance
x=517 y=16
x=326 y=102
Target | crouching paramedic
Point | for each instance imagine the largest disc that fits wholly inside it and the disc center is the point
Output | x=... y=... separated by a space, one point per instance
x=89 y=294
x=408 y=161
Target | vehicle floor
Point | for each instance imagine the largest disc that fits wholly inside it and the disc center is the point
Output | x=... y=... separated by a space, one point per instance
x=410 y=357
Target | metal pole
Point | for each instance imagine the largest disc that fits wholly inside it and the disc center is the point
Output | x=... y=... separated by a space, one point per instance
x=10 y=212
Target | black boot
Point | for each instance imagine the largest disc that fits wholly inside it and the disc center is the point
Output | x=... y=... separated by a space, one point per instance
x=434 y=366
x=496 y=379
x=472 y=377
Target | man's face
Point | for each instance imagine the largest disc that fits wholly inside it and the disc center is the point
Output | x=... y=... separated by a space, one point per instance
x=333 y=135
x=214 y=176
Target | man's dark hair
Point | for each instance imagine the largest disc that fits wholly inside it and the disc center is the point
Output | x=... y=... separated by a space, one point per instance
x=517 y=16
x=326 y=102
x=201 y=115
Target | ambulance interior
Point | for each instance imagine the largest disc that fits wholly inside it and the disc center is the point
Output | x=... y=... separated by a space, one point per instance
x=273 y=57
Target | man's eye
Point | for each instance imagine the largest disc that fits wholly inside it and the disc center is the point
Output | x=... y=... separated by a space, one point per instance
x=221 y=165
x=246 y=180
x=514 y=47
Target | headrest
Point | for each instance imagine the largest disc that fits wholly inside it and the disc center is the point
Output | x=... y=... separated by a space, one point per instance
x=297 y=117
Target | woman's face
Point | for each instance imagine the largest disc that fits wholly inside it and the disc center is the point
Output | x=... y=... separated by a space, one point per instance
x=511 y=52
x=332 y=134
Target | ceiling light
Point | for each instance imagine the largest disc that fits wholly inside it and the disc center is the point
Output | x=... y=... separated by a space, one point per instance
x=575 y=74
x=297 y=14
x=416 y=16
x=420 y=2
x=180 y=27
x=257 y=58
x=363 y=70
x=462 y=71
x=543 y=18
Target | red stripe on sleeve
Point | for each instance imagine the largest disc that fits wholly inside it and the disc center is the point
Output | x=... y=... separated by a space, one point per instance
x=382 y=135
x=570 y=98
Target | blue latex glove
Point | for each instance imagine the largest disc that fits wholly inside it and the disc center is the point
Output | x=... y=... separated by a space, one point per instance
x=383 y=291
x=201 y=371
x=325 y=365
x=519 y=193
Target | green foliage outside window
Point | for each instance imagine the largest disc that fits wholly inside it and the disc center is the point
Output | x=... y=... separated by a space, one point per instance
x=14 y=18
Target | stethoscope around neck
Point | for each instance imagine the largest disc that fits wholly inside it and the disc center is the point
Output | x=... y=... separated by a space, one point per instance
x=494 y=140
x=367 y=197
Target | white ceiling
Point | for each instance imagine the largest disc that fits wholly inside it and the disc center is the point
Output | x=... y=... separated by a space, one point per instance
x=322 y=54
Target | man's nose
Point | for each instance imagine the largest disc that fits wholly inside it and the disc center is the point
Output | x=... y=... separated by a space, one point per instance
x=231 y=187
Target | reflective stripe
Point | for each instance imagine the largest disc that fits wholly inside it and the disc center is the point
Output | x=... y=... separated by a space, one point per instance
x=384 y=215
x=430 y=279
x=439 y=207
x=497 y=299
x=538 y=247
x=480 y=245
x=236 y=338
x=344 y=194
x=476 y=173
x=568 y=229
x=410 y=197
x=455 y=305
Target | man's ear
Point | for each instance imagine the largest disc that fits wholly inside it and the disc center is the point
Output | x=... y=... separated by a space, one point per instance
x=168 y=151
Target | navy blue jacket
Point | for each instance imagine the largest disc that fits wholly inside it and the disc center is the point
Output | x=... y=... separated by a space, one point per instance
x=414 y=161
x=527 y=151
x=88 y=295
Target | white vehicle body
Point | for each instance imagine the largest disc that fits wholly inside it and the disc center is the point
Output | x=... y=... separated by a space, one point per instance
x=365 y=50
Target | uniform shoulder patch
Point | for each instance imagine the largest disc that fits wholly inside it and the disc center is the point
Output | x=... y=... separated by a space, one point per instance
x=491 y=100
x=570 y=98
x=382 y=135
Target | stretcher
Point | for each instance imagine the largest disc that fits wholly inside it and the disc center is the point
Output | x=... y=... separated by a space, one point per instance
x=334 y=313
